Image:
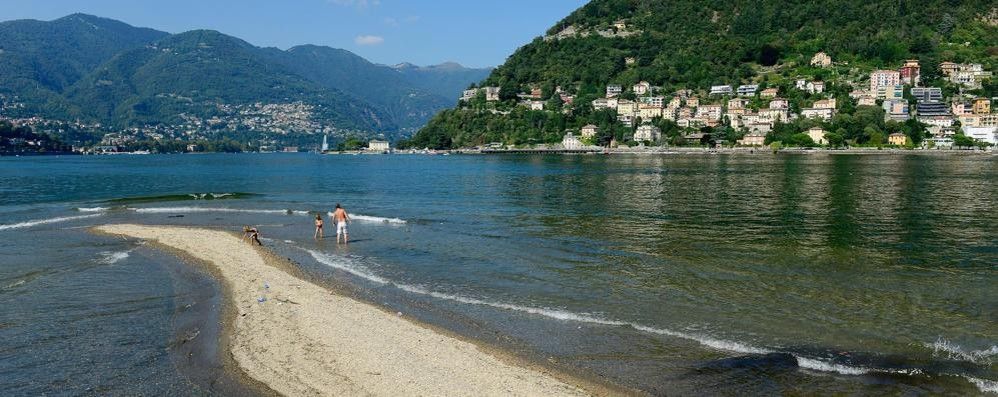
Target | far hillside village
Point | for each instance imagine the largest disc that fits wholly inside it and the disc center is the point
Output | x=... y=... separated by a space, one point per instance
x=915 y=116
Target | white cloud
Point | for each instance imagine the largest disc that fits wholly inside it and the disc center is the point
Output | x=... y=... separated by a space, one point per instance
x=368 y=40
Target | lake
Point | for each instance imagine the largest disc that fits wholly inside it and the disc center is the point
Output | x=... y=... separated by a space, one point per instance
x=679 y=274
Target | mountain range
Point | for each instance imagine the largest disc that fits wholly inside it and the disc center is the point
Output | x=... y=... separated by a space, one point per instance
x=98 y=70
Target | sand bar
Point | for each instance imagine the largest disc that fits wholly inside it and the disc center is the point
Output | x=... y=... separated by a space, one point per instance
x=306 y=340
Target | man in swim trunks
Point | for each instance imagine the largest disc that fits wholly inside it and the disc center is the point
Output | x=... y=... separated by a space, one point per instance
x=341 y=218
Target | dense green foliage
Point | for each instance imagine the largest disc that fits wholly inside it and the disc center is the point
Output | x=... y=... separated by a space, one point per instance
x=23 y=140
x=685 y=44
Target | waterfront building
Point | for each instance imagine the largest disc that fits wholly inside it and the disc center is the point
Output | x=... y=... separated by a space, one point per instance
x=571 y=142
x=987 y=135
x=753 y=139
x=589 y=131
x=817 y=135
x=647 y=133
x=378 y=146
x=898 y=139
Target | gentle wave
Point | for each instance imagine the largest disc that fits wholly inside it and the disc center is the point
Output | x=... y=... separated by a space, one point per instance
x=945 y=348
x=181 y=197
x=38 y=222
x=374 y=219
x=93 y=209
x=353 y=267
x=110 y=258
x=984 y=385
x=174 y=210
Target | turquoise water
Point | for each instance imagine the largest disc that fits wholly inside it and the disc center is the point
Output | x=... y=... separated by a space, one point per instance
x=724 y=274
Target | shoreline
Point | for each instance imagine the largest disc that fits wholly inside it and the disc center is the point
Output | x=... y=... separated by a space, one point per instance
x=290 y=342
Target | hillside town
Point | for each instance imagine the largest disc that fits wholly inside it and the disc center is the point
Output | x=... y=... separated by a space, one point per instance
x=270 y=121
x=755 y=110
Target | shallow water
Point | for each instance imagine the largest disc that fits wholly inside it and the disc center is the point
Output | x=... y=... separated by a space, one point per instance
x=720 y=274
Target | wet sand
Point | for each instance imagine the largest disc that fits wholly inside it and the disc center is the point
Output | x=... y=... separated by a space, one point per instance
x=303 y=339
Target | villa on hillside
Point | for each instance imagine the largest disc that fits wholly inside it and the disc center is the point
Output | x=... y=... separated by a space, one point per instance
x=589 y=131
x=817 y=135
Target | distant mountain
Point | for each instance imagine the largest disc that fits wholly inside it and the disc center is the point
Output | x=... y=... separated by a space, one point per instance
x=193 y=73
x=99 y=70
x=410 y=105
x=448 y=79
x=39 y=60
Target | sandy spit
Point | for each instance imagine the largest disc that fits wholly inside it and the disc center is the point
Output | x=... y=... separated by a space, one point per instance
x=307 y=341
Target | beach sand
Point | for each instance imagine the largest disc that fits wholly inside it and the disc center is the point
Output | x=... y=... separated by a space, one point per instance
x=307 y=340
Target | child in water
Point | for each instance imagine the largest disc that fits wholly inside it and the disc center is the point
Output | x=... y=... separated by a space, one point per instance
x=318 y=227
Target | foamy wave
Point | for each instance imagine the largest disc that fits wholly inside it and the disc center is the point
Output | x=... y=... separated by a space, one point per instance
x=984 y=385
x=374 y=219
x=347 y=266
x=93 y=209
x=818 y=365
x=357 y=269
x=38 y=222
x=176 y=210
x=110 y=258
x=945 y=348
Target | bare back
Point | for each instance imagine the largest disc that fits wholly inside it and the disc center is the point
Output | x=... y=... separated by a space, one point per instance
x=340 y=215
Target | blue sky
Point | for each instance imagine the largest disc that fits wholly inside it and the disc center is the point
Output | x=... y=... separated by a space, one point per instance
x=472 y=32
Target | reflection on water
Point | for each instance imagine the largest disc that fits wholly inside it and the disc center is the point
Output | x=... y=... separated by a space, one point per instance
x=671 y=273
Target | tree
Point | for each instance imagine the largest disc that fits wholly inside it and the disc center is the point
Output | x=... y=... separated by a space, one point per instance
x=960 y=140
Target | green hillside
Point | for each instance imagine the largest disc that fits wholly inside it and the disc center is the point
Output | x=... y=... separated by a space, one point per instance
x=206 y=85
x=684 y=44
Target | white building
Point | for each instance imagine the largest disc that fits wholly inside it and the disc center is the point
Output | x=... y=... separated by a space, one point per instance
x=884 y=78
x=613 y=90
x=378 y=146
x=492 y=94
x=468 y=95
x=589 y=131
x=647 y=133
x=642 y=88
x=721 y=90
x=571 y=142
x=987 y=135
x=748 y=90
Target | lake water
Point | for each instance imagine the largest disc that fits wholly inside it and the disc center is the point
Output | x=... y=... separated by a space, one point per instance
x=683 y=274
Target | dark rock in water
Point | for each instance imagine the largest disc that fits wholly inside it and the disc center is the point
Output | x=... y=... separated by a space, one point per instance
x=772 y=362
x=175 y=216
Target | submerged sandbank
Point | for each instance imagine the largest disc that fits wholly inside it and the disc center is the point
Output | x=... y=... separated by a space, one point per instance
x=305 y=340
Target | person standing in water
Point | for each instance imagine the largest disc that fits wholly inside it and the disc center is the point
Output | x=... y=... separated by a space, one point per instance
x=318 y=227
x=341 y=218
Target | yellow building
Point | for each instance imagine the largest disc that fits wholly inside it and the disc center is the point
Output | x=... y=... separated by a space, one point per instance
x=981 y=106
x=898 y=139
x=817 y=135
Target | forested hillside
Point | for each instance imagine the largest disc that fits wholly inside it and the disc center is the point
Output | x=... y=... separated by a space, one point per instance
x=685 y=44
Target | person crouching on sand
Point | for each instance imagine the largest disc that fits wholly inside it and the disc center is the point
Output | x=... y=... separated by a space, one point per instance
x=341 y=218
x=253 y=234
x=318 y=227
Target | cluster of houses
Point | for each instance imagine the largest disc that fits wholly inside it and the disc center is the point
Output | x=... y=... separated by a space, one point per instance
x=731 y=105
